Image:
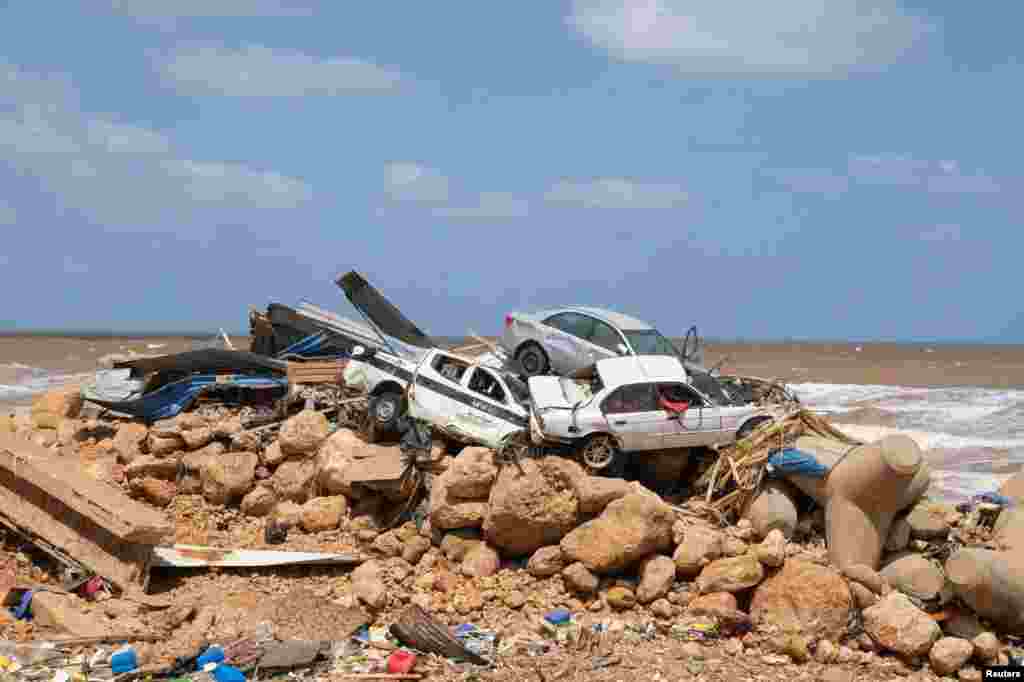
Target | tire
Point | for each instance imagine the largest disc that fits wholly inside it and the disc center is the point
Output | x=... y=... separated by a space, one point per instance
x=533 y=360
x=383 y=413
x=602 y=443
x=748 y=426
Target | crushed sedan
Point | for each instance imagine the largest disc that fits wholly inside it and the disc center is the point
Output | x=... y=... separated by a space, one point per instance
x=625 y=405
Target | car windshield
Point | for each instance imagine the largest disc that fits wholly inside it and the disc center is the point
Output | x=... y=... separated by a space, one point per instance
x=649 y=342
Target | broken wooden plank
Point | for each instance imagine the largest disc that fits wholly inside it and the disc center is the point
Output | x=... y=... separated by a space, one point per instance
x=194 y=556
x=99 y=527
x=315 y=371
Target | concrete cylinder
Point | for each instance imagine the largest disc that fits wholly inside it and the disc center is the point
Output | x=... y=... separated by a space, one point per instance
x=991 y=583
x=774 y=507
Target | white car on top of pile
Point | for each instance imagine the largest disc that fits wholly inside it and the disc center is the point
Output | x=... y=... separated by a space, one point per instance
x=633 y=404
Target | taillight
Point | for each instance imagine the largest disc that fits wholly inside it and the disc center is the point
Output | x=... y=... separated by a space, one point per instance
x=508 y=321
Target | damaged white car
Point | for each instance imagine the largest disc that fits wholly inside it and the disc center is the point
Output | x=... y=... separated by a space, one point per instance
x=633 y=404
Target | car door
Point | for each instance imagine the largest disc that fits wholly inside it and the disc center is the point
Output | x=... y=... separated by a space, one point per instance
x=603 y=342
x=699 y=424
x=438 y=383
x=634 y=416
x=565 y=340
x=488 y=407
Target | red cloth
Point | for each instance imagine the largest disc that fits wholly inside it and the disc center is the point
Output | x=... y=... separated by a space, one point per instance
x=673 y=407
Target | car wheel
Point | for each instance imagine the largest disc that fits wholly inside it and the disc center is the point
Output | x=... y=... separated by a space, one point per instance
x=383 y=414
x=533 y=360
x=750 y=425
x=600 y=453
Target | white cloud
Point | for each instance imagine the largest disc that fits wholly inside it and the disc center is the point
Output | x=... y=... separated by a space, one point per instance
x=256 y=71
x=411 y=181
x=116 y=172
x=159 y=10
x=616 y=193
x=942 y=177
x=805 y=37
x=488 y=205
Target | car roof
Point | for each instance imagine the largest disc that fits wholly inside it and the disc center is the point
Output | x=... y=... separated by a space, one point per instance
x=615 y=319
x=637 y=368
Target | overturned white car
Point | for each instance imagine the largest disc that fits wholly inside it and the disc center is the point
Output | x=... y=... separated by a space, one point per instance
x=633 y=404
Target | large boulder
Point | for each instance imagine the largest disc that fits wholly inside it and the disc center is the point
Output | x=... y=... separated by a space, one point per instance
x=657 y=574
x=323 y=513
x=698 y=547
x=49 y=408
x=163 y=445
x=531 y=506
x=153 y=490
x=336 y=456
x=915 y=576
x=448 y=512
x=928 y=522
x=630 y=529
x=578 y=579
x=229 y=477
x=472 y=474
x=804 y=598
x=733 y=574
x=481 y=561
x=897 y=625
x=597 y=492
x=546 y=562
x=165 y=468
x=197 y=438
x=368 y=584
x=259 y=502
x=949 y=654
x=294 y=480
x=303 y=433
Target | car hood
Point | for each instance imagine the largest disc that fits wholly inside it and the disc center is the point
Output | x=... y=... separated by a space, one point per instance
x=381 y=312
x=558 y=392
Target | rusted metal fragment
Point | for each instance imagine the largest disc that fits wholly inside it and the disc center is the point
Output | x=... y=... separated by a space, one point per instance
x=99 y=527
x=415 y=628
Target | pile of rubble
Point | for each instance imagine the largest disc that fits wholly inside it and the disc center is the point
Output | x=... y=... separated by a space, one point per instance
x=503 y=544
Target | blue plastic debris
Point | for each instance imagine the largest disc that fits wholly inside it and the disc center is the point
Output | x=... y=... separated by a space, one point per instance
x=992 y=498
x=558 y=616
x=124 y=661
x=214 y=654
x=227 y=673
x=793 y=462
x=22 y=610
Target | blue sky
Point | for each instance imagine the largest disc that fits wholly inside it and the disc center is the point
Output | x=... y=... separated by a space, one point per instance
x=813 y=168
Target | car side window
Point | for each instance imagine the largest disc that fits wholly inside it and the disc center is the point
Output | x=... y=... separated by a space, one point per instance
x=633 y=398
x=676 y=394
x=572 y=323
x=604 y=335
x=450 y=368
x=484 y=383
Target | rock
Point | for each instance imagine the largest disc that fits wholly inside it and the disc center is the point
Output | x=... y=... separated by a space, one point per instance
x=161 y=446
x=227 y=428
x=730 y=575
x=733 y=547
x=915 y=576
x=148 y=466
x=294 y=479
x=323 y=513
x=49 y=408
x=388 y=544
x=969 y=674
x=928 y=522
x=826 y=652
x=899 y=536
x=963 y=624
x=630 y=528
x=986 y=647
x=578 y=579
x=369 y=586
x=713 y=604
x=71 y=431
x=448 y=512
x=899 y=626
x=530 y=507
x=863 y=597
x=481 y=561
x=336 y=456
x=656 y=577
x=229 y=477
x=259 y=502
x=415 y=548
x=472 y=474
x=621 y=598
x=867 y=577
x=130 y=441
x=663 y=609
x=197 y=438
x=45 y=437
x=166 y=428
x=949 y=654
x=514 y=599
x=772 y=550
x=597 y=492
x=804 y=598
x=191 y=480
x=546 y=562
x=303 y=433
x=698 y=547
x=287 y=514
x=273 y=455
x=153 y=490
x=62 y=612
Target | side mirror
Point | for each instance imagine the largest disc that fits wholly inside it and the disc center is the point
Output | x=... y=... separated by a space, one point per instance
x=622 y=349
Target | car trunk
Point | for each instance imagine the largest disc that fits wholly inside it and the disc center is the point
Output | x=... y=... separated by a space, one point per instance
x=557 y=392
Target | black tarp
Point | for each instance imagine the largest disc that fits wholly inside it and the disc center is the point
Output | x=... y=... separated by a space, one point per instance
x=211 y=360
